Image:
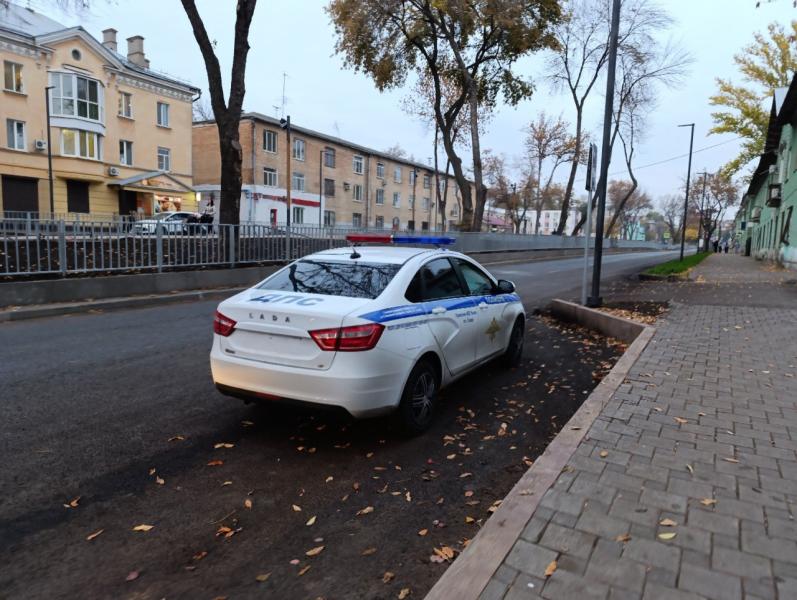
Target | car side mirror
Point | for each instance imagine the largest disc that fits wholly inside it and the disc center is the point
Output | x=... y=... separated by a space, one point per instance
x=505 y=287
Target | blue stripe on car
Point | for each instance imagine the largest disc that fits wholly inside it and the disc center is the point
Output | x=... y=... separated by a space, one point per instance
x=418 y=310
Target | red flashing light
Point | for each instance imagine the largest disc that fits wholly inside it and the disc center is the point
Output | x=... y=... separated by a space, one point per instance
x=365 y=238
x=354 y=338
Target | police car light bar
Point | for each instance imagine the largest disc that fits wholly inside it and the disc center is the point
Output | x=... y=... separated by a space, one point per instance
x=439 y=240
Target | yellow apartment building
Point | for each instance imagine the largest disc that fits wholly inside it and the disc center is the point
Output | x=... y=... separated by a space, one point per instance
x=120 y=133
x=333 y=181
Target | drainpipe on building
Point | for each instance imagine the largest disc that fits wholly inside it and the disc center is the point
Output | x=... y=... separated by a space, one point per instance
x=254 y=177
x=367 y=190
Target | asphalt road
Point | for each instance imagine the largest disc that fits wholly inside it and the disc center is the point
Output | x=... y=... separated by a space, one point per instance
x=89 y=402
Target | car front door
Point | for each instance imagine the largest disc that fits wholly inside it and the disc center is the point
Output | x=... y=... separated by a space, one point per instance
x=451 y=312
x=491 y=329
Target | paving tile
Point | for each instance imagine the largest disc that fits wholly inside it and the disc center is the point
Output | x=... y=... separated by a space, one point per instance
x=529 y=558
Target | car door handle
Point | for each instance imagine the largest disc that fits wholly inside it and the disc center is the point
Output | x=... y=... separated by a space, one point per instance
x=483 y=305
x=438 y=310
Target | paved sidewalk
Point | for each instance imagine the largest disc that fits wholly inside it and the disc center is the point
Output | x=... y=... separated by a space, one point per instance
x=685 y=486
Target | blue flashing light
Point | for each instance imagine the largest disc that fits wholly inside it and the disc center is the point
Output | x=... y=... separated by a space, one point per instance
x=424 y=239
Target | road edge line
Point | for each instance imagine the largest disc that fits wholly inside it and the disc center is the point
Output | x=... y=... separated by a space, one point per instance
x=471 y=572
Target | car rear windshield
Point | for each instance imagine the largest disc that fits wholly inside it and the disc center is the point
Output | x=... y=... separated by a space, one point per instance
x=354 y=279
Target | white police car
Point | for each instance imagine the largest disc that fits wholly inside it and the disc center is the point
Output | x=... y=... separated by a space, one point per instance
x=370 y=329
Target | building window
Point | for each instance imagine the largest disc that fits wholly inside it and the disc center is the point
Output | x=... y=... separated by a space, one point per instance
x=380 y=196
x=425 y=205
x=75 y=96
x=125 y=105
x=380 y=222
x=413 y=175
x=15 y=131
x=424 y=225
x=356 y=220
x=270 y=141
x=84 y=144
x=380 y=170
x=126 y=152
x=269 y=177
x=396 y=223
x=427 y=181
x=12 y=76
x=357 y=192
x=297 y=181
x=329 y=218
x=397 y=174
x=357 y=164
x=164 y=159
x=329 y=157
x=396 y=199
x=298 y=149
x=329 y=187
x=298 y=215
x=163 y=114
x=412 y=200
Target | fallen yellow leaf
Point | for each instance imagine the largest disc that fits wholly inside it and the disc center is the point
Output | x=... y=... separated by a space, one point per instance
x=408 y=496
x=248 y=503
x=469 y=519
x=388 y=576
x=604 y=453
x=263 y=577
x=310 y=521
x=622 y=538
x=223 y=445
x=403 y=593
x=143 y=527
x=423 y=532
x=667 y=536
x=314 y=551
x=93 y=535
x=550 y=569
x=159 y=480
x=176 y=438
x=365 y=511
x=303 y=570
x=296 y=508
x=667 y=523
x=730 y=460
x=708 y=502
x=369 y=551
x=215 y=463
x=328 y=479
x=680 y=420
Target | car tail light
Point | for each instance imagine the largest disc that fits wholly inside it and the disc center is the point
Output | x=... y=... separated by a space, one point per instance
x=223 y=325
x=348 y=339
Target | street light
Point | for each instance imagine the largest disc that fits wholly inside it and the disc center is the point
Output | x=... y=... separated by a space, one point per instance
x=286 y=125
x=323 y=154
x=414 y=184
x=49 y=150
x=688 y=175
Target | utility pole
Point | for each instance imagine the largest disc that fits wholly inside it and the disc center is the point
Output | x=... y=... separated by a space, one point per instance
x=688 y=174
x=608 y=114
x=414 y=184
x=322 y=156
x=49 y=151
x=286 y=125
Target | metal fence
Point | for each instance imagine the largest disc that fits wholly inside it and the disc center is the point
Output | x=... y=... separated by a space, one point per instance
x=41 y=247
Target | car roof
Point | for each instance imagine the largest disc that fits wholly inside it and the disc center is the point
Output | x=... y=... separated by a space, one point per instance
x=376 y=254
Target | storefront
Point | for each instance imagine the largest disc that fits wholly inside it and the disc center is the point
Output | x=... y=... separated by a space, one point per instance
x=152 y=193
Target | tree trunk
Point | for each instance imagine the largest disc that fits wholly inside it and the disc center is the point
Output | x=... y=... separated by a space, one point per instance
x=436 y=175
x=466 y=214
x=560 y=228
x=478 y=177
x=231 y=179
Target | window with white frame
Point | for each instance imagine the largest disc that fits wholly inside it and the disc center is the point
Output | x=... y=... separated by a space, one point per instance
x=357 y=192
x=298 y=215
x=426 y=202
x=329 y=218
x=163 y=114
x=396 y=199
x=356 y=220
x=380 y=196
x=397 y=174
x=76 y=96
x=329 y=157
x=125 y=105
x=12 y=77
x=269 y=177
x=270 y=141
x=297 y=181
x=380 y=170
x=357 y=164
x=298 y=149
x=412 y=200
x=164 y=159
x=85 y=144
x=427 y=181
x=413 y=175
x=379 y=222
x=15 y=131
x=126 y=152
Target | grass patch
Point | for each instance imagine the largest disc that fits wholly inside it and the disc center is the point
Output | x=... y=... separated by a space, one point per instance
x=677 y=266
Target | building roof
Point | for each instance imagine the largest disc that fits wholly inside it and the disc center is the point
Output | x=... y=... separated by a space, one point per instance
x=256 y=116
x=40 y=30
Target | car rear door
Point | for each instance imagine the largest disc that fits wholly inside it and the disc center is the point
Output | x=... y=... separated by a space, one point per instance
x=450 y=311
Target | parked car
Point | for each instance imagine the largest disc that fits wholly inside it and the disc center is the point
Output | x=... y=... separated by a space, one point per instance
x=370 y=329
x=171 y=222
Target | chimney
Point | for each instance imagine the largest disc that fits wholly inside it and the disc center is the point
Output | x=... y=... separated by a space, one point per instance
x=135 y=51
x=109 y=39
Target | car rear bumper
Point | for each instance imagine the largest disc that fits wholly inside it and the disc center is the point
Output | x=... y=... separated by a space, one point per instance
x=365 y=384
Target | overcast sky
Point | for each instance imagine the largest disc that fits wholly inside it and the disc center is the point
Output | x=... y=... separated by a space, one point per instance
x=295 y=37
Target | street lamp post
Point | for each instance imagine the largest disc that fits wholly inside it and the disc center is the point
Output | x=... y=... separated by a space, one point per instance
x=323 y=155
x=286 y=125
x=688 y=175
x=595 y=300
x=702 y=201
x=414 y=184
x=49 y=150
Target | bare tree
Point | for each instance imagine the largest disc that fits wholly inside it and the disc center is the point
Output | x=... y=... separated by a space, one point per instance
x=202 y=110
x=628 y=204
x=672 y=209
x=583 y=52
x=227 y=112
x=721 y=194
x=548 y=146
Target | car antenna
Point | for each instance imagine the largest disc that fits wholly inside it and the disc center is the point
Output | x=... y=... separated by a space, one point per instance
x=354 y=253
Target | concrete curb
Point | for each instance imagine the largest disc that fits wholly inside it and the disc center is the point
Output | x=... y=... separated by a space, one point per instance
x=470 y=573
x=36 y=312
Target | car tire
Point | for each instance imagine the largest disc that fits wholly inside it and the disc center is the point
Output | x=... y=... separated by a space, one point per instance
x=419 y=399
x=514 y=348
